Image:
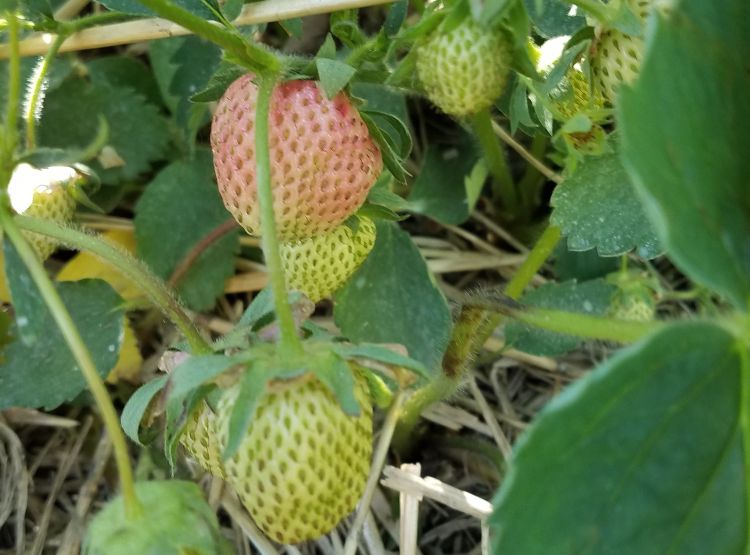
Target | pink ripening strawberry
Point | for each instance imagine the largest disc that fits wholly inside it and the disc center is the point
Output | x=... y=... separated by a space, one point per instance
x=323 y=160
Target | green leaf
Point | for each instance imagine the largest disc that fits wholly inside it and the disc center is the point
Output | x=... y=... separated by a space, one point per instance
x=685 y=145
x=383 y=104
x=196 y=7
x=6 y=338
x=224 y=76
x=178 y=209
x=185 y=390
x=40 y=371
x=137 y=132
x=334 y=372
x=519 y=107
x=183 y=66
x=125 y=71
x=396 y=17
x=643 y=456
x=293 y=27
x=552 y=18
x=391 y=159
x=582 y=265
x=382 y=354
x=392 y=298
x=136 y=407
x=589 y=297
x=252 y=388
x=439 y=190
x=45 y=157
x=334 y=75
x=597 y=208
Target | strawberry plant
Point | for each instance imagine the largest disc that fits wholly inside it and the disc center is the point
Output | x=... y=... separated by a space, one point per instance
x=260 y=253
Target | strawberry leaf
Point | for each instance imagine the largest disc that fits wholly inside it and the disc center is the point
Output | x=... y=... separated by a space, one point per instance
x=552 y=18
x=39 y=369
x=224 y=76
x=334 y=75
x=597 y=207
x=185 y=391
x=196 y=7
x=183 y=65
x=643 y=455
x=252 y=388
x=178 y=210
x=391 y=159
x=685 y=147
x=393 y=299
x=335 y=374
x=382 y=354
x=437 y=191
x=135 y=409
x=137 y=132
x=589 y=297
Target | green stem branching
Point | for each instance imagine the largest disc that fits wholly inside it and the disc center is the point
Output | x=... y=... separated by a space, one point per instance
x=65 y=323
x=130 y=267
x=253 y=57
x=474 y=325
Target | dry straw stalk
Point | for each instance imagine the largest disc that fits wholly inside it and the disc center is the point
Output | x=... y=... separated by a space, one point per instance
x=155 y=28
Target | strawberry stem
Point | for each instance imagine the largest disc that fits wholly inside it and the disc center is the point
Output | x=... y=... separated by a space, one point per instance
x=505 y=188
x=133 y=508
x=473 y=327
x=30 y=115
x=63 y=29
x=130 y=267
x=290 y=342
x=252 y=56
x=10 y=127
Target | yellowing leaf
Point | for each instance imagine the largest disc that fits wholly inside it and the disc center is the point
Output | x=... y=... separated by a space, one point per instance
x=84 y=265
x=130 y=360
x=4 y=292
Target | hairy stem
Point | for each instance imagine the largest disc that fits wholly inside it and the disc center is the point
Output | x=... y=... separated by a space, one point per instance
x=133 y=508
x=252 y=56
x=31 y=110
x=130 y=267
x=64 y=30
x=474 y=325
x=290 y=342
x=10 y=125
x=481 y=123
x=575 y=323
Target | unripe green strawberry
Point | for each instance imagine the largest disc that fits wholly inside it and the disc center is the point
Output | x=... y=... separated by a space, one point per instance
x=573 y=94
x=320 y=265
x=616 y=56
x=464 y=70
x=201 y=439
x=634 y=305
x=41 y=193
x=177 y=520
x=323 y=160
x=303 y=464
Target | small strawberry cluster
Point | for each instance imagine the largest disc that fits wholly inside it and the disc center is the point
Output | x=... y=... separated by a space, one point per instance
x=300 y=456
x=323 y=163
